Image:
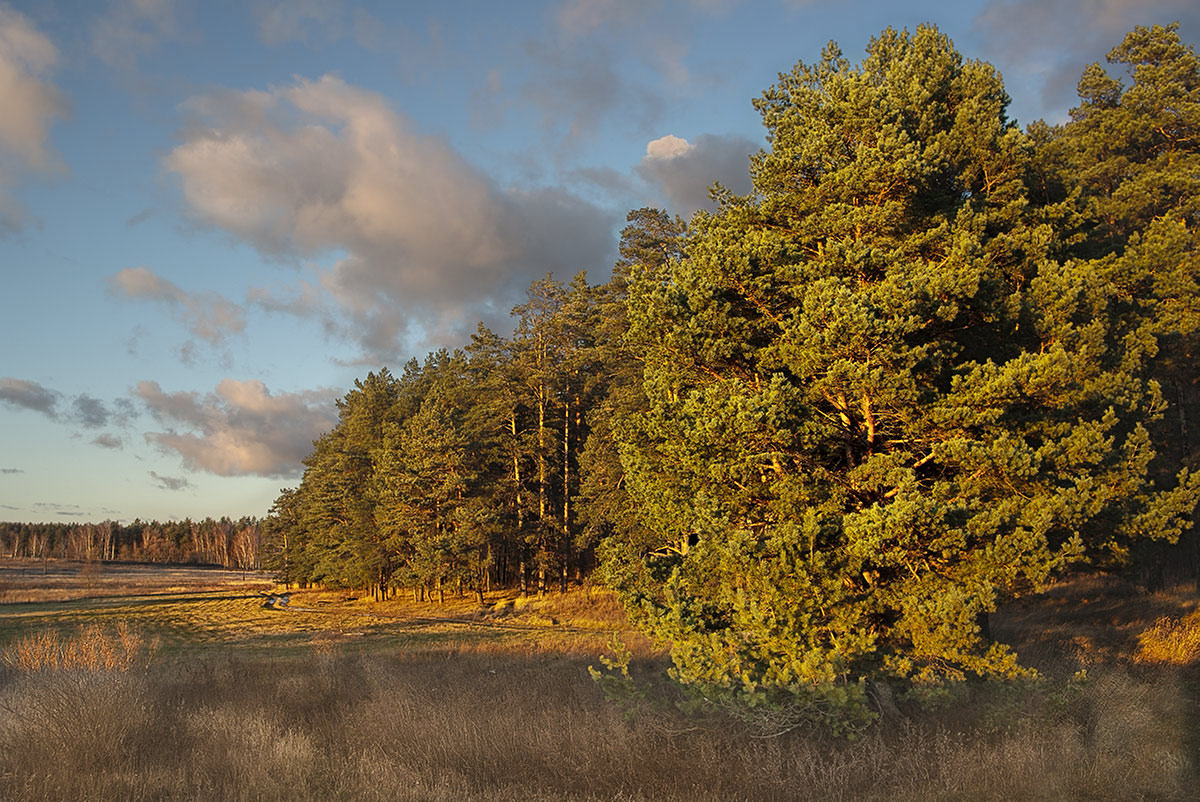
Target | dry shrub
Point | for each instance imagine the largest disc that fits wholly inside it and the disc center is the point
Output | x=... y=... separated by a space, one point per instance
x=1171 y=641
x=91 y=648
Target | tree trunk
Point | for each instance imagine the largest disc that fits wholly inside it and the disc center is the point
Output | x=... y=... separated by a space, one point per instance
x=566 y=498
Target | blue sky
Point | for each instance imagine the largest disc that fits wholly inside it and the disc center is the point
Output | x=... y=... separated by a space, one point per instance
x=215 y=216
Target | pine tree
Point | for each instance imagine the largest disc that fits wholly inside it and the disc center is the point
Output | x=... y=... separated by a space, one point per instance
x=1128 y=163
x=877 y=404
x=650 y=241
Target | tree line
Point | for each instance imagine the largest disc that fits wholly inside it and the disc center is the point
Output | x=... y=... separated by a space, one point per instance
x=494 y=465
x=816 y=436
x=223 y=541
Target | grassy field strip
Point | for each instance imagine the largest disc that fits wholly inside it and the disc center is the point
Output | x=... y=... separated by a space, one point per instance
x=230 y=698
x=183 y=623
x=468 y=622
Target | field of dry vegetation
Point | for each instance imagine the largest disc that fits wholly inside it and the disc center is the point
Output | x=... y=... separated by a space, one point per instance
x=145 y=688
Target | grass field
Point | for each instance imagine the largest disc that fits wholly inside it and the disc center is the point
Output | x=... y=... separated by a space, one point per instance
x=157 y=686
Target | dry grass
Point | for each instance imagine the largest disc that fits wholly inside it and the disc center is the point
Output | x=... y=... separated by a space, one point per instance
x=1087 y=620
x=346 y=698
x=495 y=727
x=26 y=581
x=90 y=648
x=1171 y=641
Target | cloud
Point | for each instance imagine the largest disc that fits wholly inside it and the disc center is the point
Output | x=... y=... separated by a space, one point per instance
x=612 y=186
x=30 y=105
x=140 y=217
x=657 y=33
x=1050 y=44
x=581 y=17
x=683 y=171
x=578 y=88
x=83 y=410
x=170 y=482
x=208 y=316
x=11 y=470
x=90 y=412
x=302 y=300
x=63 y=510
x=131 y=29
x=296 y=20
x=110 y=441
x=427 y=242
x=24 y=394
x=318 y=21
x=241 y=428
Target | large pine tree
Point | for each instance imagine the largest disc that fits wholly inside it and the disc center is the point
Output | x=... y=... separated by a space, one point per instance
x=880 y=401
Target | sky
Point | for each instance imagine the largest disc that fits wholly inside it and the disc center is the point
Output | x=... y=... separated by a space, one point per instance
x=215 y=216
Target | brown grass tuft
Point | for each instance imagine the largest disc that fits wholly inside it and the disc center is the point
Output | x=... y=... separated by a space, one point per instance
x=1171 y=641
x=92 y=647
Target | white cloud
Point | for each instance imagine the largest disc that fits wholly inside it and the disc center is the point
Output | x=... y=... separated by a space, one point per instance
x=427 y=242
x=684 y=171
x=668 y=147
x=29 y=103
x=241 y=428
x=208 y=316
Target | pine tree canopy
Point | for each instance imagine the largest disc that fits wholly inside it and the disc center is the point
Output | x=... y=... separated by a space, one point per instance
x=817 y=436
x=890 y=389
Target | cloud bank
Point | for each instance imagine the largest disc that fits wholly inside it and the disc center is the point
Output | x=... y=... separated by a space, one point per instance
x=241 y=428
x=428 y=243
x=29 y=105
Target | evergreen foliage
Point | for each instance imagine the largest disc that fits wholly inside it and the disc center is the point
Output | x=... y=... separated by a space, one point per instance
x=818 y=435
x=880 y=399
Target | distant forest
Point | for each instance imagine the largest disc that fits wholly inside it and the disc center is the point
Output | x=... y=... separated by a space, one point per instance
x=224 y=542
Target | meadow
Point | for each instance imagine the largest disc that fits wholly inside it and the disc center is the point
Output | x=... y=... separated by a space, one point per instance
x=125 y=682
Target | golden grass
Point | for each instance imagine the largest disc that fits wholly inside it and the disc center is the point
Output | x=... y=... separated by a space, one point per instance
x=1087 y=620
x=342 y=697
x=92 y=647
x=1171 y=641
